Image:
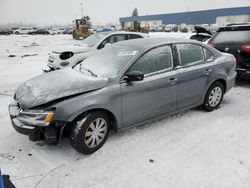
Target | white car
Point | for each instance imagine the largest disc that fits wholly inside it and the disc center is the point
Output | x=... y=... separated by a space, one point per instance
x=72 y=55
x=23 y=30
x=55 y=31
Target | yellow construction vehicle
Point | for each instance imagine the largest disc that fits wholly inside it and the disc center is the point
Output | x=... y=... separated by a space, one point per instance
x=81 y=30
x=136 y=27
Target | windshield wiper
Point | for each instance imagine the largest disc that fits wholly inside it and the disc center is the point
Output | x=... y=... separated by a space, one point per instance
x=89 y=71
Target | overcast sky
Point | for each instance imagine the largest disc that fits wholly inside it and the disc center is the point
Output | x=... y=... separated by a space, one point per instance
x=44 y=12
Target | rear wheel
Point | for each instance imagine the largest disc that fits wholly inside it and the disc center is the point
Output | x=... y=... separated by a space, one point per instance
x=213 y=96
x=90 y=132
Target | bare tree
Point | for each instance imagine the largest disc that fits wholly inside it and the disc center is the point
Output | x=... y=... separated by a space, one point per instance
x=135 y=12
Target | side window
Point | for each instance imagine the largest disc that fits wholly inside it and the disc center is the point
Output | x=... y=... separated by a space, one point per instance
x=23 y=29
x=208 y=55
x=112 y=39
x=189 y=53
x=116 y=38
x=133 y=36
x=155 y=60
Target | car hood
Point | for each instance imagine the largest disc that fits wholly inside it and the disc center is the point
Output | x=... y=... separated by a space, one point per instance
x=55 y=85
x=73 y=48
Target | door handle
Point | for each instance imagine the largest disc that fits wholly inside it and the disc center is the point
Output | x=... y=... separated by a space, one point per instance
x=172 y=81
x=208 y=71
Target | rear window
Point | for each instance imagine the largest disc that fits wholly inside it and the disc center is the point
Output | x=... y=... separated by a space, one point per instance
x=208 y=55
x=232 y=37
x=133 y=36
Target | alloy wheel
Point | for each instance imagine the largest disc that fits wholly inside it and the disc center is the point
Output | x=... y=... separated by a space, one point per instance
x=215 y=96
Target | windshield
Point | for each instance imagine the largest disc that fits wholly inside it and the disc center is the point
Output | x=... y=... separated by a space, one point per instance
x=107 y=63
x=93 y=39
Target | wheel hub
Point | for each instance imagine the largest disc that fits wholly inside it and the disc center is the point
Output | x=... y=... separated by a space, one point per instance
x=96 y=132
x=215 y=96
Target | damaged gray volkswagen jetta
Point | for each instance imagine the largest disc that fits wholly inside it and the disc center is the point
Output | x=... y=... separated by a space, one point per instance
x=123 y=85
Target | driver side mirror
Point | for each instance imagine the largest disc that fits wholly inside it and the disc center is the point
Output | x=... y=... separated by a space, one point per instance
x=134 y=76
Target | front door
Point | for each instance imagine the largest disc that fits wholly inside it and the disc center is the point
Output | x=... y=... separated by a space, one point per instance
x=156 y=94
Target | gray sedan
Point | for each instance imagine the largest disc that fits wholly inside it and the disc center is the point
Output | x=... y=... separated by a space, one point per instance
x=123 y=85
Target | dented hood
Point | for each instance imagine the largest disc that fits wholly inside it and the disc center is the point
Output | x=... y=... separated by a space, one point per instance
x=55 y=85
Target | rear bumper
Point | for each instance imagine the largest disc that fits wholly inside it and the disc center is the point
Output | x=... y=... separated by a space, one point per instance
x=231 y=81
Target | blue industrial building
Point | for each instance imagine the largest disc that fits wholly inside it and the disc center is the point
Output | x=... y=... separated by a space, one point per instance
x=194 y=17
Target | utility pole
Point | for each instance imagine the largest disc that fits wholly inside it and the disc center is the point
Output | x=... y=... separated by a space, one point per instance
x=188 y=3
x=81 y=9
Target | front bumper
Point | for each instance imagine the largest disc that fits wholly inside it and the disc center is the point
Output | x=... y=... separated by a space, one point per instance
x=52 y=66
x=36 y=133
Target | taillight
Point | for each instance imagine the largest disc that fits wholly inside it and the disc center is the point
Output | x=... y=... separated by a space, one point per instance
x=245 y=48
x=235 y=61
x=212 y=45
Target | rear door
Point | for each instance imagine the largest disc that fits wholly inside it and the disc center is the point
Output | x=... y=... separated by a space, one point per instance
x=194 y=73
x=156 y=94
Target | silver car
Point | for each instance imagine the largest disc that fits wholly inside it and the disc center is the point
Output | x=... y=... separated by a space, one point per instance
x=123 y=85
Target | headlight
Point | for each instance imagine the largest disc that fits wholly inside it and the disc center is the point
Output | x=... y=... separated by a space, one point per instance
x=66 y=55
x=36 y=117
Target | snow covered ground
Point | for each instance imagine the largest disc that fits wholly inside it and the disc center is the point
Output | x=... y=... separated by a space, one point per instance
x=193 y=149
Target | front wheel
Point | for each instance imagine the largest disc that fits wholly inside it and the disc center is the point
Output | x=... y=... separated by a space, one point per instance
x=213 y=96
x=90 y=132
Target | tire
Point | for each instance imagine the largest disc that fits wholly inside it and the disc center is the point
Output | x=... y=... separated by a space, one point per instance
x=83 y=137
x=213 y=97
x=17 y=33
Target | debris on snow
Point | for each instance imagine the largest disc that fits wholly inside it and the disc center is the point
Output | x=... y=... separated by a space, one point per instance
x=31 y=45
x=7 y=156
x=242 y=162
x=12 y=55
x=28 y=55
x=151 y=160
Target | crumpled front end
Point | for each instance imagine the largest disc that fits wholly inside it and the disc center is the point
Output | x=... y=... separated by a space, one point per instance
x=55 y=85
x=37 y=124
x=67 y=57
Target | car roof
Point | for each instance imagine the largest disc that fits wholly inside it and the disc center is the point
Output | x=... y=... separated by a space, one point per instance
x=152 y=42
x=235 y=28
x=122 y=32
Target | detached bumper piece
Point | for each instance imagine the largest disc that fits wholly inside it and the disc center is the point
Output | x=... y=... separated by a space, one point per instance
x=35 y=133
